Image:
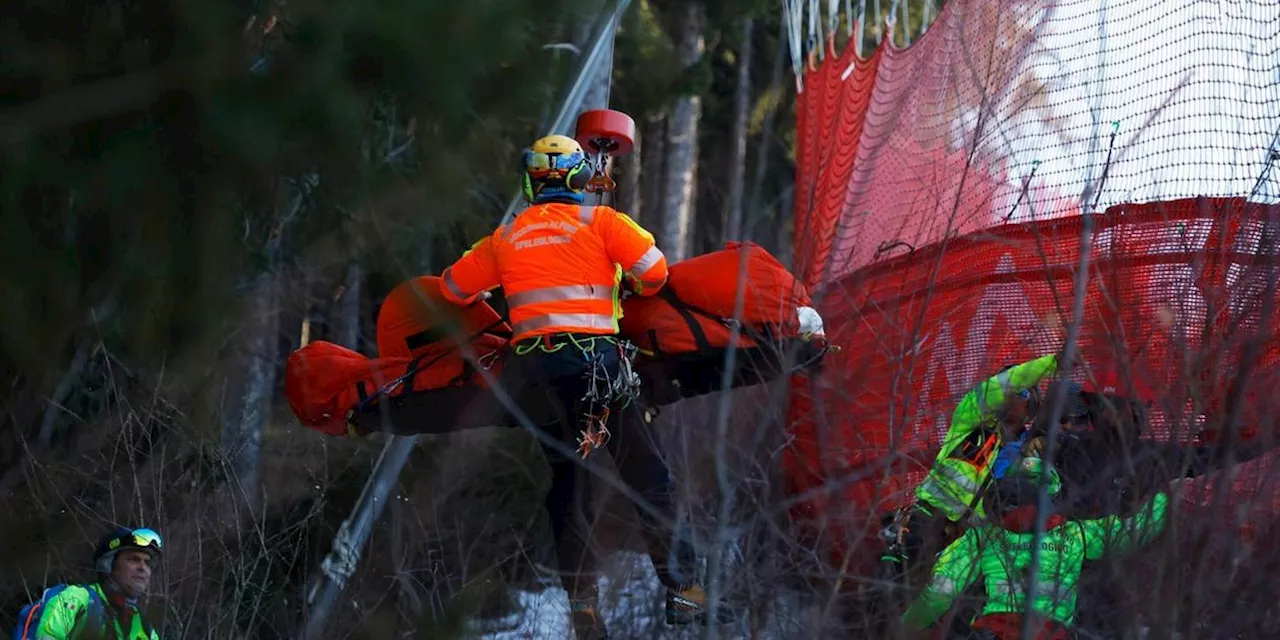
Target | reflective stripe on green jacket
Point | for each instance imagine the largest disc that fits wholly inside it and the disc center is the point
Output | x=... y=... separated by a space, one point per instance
x=952 y=483
x=67 y=619
x=1003 y=559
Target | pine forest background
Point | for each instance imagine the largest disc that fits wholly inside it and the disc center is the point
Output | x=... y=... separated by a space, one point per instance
x=191 y=190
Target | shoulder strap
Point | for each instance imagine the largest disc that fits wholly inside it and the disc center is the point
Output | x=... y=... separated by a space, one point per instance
x=95 y=602
x=94 y=613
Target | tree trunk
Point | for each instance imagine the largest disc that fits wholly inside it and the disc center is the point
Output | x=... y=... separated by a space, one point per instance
x=350 y=308
x=682 y=145
x=247 y=399
x=784 y=236
x=247 y=403
x=597 y=95
x=738 y=153
x=764 y=145
x=627 y=174
x=68 y=382
x=651 y=175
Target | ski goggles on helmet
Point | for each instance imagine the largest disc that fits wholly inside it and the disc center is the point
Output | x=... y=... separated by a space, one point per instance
x=541 y=165
x=137 y=538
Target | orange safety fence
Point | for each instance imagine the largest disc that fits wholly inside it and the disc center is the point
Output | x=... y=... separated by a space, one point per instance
x=941 y=191
x=1174 y=300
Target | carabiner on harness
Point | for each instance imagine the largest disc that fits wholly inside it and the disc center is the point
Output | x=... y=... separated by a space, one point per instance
x=595 y=434
x=605 y=393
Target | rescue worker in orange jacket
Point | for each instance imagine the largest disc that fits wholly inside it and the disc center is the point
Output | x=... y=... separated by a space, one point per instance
x=561 y=264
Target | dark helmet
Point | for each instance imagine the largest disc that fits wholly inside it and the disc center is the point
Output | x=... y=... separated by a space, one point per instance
x=1021 y=485
x=122 y=538
x=1074 y=409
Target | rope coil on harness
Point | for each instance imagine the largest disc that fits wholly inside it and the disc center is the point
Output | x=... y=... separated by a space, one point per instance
x=605 y=393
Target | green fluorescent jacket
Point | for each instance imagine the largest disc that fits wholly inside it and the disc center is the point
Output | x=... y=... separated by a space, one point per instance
x=67 y=618
x=1002 y=558
x=953 y=482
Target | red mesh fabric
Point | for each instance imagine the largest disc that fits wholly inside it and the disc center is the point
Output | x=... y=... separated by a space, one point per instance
x=918 y=331
x=909 y=167
x=1014 y=101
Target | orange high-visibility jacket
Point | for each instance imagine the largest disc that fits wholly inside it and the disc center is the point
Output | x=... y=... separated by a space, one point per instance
x=560 y=266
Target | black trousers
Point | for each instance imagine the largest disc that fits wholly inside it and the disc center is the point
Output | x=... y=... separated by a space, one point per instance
x=552 y=380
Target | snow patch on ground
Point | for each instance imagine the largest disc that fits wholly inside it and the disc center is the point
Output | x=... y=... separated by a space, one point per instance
x=632 y=604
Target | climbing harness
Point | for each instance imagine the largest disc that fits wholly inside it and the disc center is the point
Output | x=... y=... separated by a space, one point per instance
x=894 y=534
x=605 y=393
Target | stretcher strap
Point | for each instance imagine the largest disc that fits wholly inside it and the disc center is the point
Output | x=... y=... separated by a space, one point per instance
x=685 y=310
x=762 y=337
x=406 y=380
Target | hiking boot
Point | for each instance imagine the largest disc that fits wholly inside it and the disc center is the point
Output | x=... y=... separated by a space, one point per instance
x=689 y=605
x=587 y=622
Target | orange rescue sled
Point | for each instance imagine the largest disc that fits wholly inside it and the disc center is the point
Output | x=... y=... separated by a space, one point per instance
x=423 y=381
x=685 y=329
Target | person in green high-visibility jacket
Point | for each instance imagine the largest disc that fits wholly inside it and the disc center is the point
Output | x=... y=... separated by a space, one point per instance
x=999 y=406
x=997 y=410
x=1000 y=554
x=107 y=609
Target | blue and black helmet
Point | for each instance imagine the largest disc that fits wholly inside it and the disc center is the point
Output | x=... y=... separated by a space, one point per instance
x=122 y=538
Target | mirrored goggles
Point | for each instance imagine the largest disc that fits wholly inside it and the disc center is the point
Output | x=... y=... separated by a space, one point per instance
x=147 y=538
x=541 y=165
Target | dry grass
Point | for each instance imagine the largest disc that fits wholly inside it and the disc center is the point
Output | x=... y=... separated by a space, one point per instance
x=466 y=528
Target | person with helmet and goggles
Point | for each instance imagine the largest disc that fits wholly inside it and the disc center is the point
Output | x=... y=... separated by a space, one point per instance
x=1107 y=466
x=124 y=560
x=1073 y=418
x=1001 y=554
x=561 y=264
x=995 y=411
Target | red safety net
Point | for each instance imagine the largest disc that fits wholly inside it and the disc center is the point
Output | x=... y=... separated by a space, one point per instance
x=939 y=224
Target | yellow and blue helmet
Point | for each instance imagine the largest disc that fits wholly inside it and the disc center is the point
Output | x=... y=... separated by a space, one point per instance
x=555 y=167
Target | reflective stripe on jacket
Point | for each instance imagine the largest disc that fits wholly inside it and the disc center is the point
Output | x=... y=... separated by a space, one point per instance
x=559 y=266
x=1002 y=559
x=951 y=486
x=976 y=413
